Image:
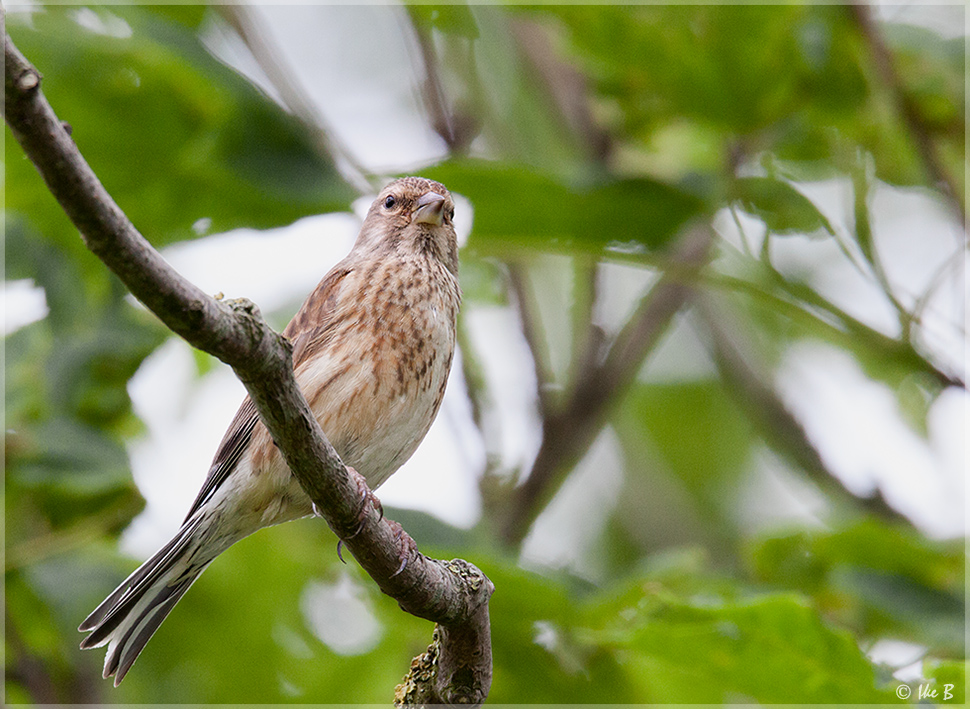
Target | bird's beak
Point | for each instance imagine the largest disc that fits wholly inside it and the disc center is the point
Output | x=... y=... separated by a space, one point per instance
x=430 y=209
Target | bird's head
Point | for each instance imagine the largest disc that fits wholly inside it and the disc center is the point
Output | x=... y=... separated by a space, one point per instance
x=413 y=215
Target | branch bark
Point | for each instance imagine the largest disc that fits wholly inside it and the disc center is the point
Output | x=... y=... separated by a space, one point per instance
x=453 y=594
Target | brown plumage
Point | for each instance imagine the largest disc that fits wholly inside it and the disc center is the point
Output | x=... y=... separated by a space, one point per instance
x=372 y=348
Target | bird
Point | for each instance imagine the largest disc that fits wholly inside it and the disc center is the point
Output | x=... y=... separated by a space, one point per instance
x=373 y=345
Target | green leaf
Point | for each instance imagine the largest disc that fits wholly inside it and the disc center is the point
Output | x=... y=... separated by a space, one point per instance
x=895 y=550
x=35 y=646
x=65 y=454
x=883 y=580
x=771 y=649
x=901 y=606
x=175 y=136
x=931 y=70
x=711 y=63
x=454 y=19
x=696 y=431
x=74 y=281
x=89 y=373
x=518 y=123
x=533 y=626
x=517 y=207
x=783 y=209
x=34 y=625
x=189 y=15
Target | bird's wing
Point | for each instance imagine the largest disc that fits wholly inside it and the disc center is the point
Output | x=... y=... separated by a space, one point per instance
x=308 y=329
x=307 y=332
x=230 y=450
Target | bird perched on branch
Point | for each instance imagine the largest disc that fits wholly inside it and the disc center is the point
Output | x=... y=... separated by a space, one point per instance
x=372 y=348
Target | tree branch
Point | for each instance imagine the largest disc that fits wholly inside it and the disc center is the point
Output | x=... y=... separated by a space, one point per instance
x=453 y=594
x=564 y=85
x=535 y=338
x=570 y=431
x=907 y=108
x=737 y=364
x=456 y=127
x=243 y=20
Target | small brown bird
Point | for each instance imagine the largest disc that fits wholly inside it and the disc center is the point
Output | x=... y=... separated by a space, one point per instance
x=372 y=348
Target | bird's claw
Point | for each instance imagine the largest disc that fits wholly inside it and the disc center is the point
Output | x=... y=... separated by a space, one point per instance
x=366 y=495
x=407 y=545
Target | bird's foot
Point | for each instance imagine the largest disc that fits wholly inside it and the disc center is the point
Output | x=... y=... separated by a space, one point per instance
x=407 y=546
x=366 y=495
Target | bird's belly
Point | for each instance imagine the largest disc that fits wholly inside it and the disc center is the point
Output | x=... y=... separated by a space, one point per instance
x=375 y=411
x=397 y=425
x=401 y=424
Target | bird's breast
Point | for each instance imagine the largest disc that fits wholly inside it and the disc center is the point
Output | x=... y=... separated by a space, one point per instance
x=379 y=383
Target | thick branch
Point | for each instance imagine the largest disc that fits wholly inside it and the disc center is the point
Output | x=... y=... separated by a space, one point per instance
x=454 y=594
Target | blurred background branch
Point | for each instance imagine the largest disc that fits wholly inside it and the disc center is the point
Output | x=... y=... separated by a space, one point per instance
x=740 y=366
x=247 y=27
x=570 y=428
x=907 y=107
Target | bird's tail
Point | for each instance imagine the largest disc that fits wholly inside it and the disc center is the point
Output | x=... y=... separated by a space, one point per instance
x=128 y=618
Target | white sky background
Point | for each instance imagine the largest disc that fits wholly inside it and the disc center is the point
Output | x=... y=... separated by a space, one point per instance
x=376 y=114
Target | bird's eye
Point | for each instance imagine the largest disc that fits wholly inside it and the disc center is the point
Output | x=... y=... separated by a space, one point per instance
x=390 y=201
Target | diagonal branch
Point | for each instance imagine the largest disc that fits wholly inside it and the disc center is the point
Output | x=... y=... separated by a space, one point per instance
x=738 y=366
x=453 y=123
x=244 y=21
x=907 y=108
x=453 y=594
x=569 y=431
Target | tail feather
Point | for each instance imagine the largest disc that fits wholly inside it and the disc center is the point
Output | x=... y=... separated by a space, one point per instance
x=123 y=653
x=160 y=562
x=127 y=618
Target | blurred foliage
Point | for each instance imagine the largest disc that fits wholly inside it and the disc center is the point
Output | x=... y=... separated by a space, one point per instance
x=587 y=134
x=193 y=127
x=948 y=678
x=878 y=580
x=569 y=217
